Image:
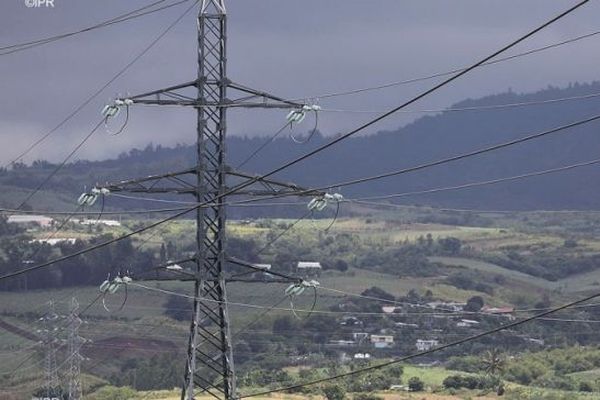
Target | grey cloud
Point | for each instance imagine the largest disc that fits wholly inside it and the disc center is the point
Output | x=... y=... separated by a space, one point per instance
x=292 y=48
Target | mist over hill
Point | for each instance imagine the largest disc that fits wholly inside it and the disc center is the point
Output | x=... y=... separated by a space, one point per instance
x=428 y=139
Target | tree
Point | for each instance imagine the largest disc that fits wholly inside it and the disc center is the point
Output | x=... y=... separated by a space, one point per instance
x=450 y=245
x=341 y=265
x=334 y=392
x=163 y=253
x=474 y=304
x=171 y=250
x=415 y=384
x=493 y=361
x=379 y=293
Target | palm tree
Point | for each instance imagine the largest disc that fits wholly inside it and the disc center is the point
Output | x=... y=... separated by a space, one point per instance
x=493 y=362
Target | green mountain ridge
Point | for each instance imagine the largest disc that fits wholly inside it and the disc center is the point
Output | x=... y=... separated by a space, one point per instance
x=427 y=139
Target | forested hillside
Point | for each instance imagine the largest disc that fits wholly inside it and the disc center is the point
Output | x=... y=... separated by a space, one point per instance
x=427 y=139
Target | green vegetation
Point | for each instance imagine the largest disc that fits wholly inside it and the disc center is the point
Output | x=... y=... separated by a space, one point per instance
x=376 y=256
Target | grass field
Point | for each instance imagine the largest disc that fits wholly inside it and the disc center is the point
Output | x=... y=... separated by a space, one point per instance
x=573 y=284
x=144 y=309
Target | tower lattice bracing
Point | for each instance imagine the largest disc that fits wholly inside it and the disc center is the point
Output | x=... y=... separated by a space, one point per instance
x=210 y=364
x=74 y=342
x=49 y=338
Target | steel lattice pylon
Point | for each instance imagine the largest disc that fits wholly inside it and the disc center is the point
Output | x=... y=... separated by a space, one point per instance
x=49 y=342
x=210 y=363
x=209 y=366
x=74 y=341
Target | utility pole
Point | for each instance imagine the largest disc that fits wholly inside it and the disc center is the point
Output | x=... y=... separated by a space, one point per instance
x=209 y=364
x=74 y=342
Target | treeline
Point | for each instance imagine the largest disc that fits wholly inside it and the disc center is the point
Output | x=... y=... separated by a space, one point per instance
x=551 y=369
x=19 y=252
x=551 y=265
x=427 y=139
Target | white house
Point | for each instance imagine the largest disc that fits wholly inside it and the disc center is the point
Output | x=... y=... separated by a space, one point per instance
x=54 y=241
x=424 y=345
x=359 y=336
x=382 y=341
x=107 y=222
x=464 y=323
x=406 y=325
x=309 y=267
x=40 y=220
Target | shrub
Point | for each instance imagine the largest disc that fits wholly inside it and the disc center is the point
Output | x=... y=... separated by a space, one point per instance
x=584 y=386
x=334 y=392
x=471 y=382
x=415 y=384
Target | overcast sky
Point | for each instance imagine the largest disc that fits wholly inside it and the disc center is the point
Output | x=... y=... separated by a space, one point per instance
x=291 y=48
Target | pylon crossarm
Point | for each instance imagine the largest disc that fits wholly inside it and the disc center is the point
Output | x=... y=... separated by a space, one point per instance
x=268 y=187
x=255 y=267
x=176 y=96
x=172 y=182
x=159 y=95
x=275 y=101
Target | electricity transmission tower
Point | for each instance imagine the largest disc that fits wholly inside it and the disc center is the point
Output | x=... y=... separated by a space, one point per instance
x=74 y=343
x=209 y=365
x=49 y=341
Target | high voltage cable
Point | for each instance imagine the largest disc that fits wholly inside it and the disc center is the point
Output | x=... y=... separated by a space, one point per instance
x=480 y=183
x=426 y=191
x=313 y=152
x=325 y=312
x=474 y=108
x=442 y=74
x=427 y=352
x=4 y=50
x=97 y=246
x=409 y=102
x=342 y=184
x=360 y=200
x=283 y=232
x=149 y=211
x=441 y=110
x=101 y=89
x=456 y=158
x=263 y=145
x=331 y=186
x=425 y=93
x=460 y=156
x=62 y=164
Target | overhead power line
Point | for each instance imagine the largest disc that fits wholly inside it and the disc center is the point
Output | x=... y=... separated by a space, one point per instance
x=446 y=73
x=61 y=165
x=123 y=212
x=263 y=145
x=103 y=87
x=427 y=352
x=491 y=107
x=422 y=166
x=426 y=92
x=309 y=154
x=10 y=49
x=463 y=155
x=480 y=183
x=95 y=247
x=360 y=200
